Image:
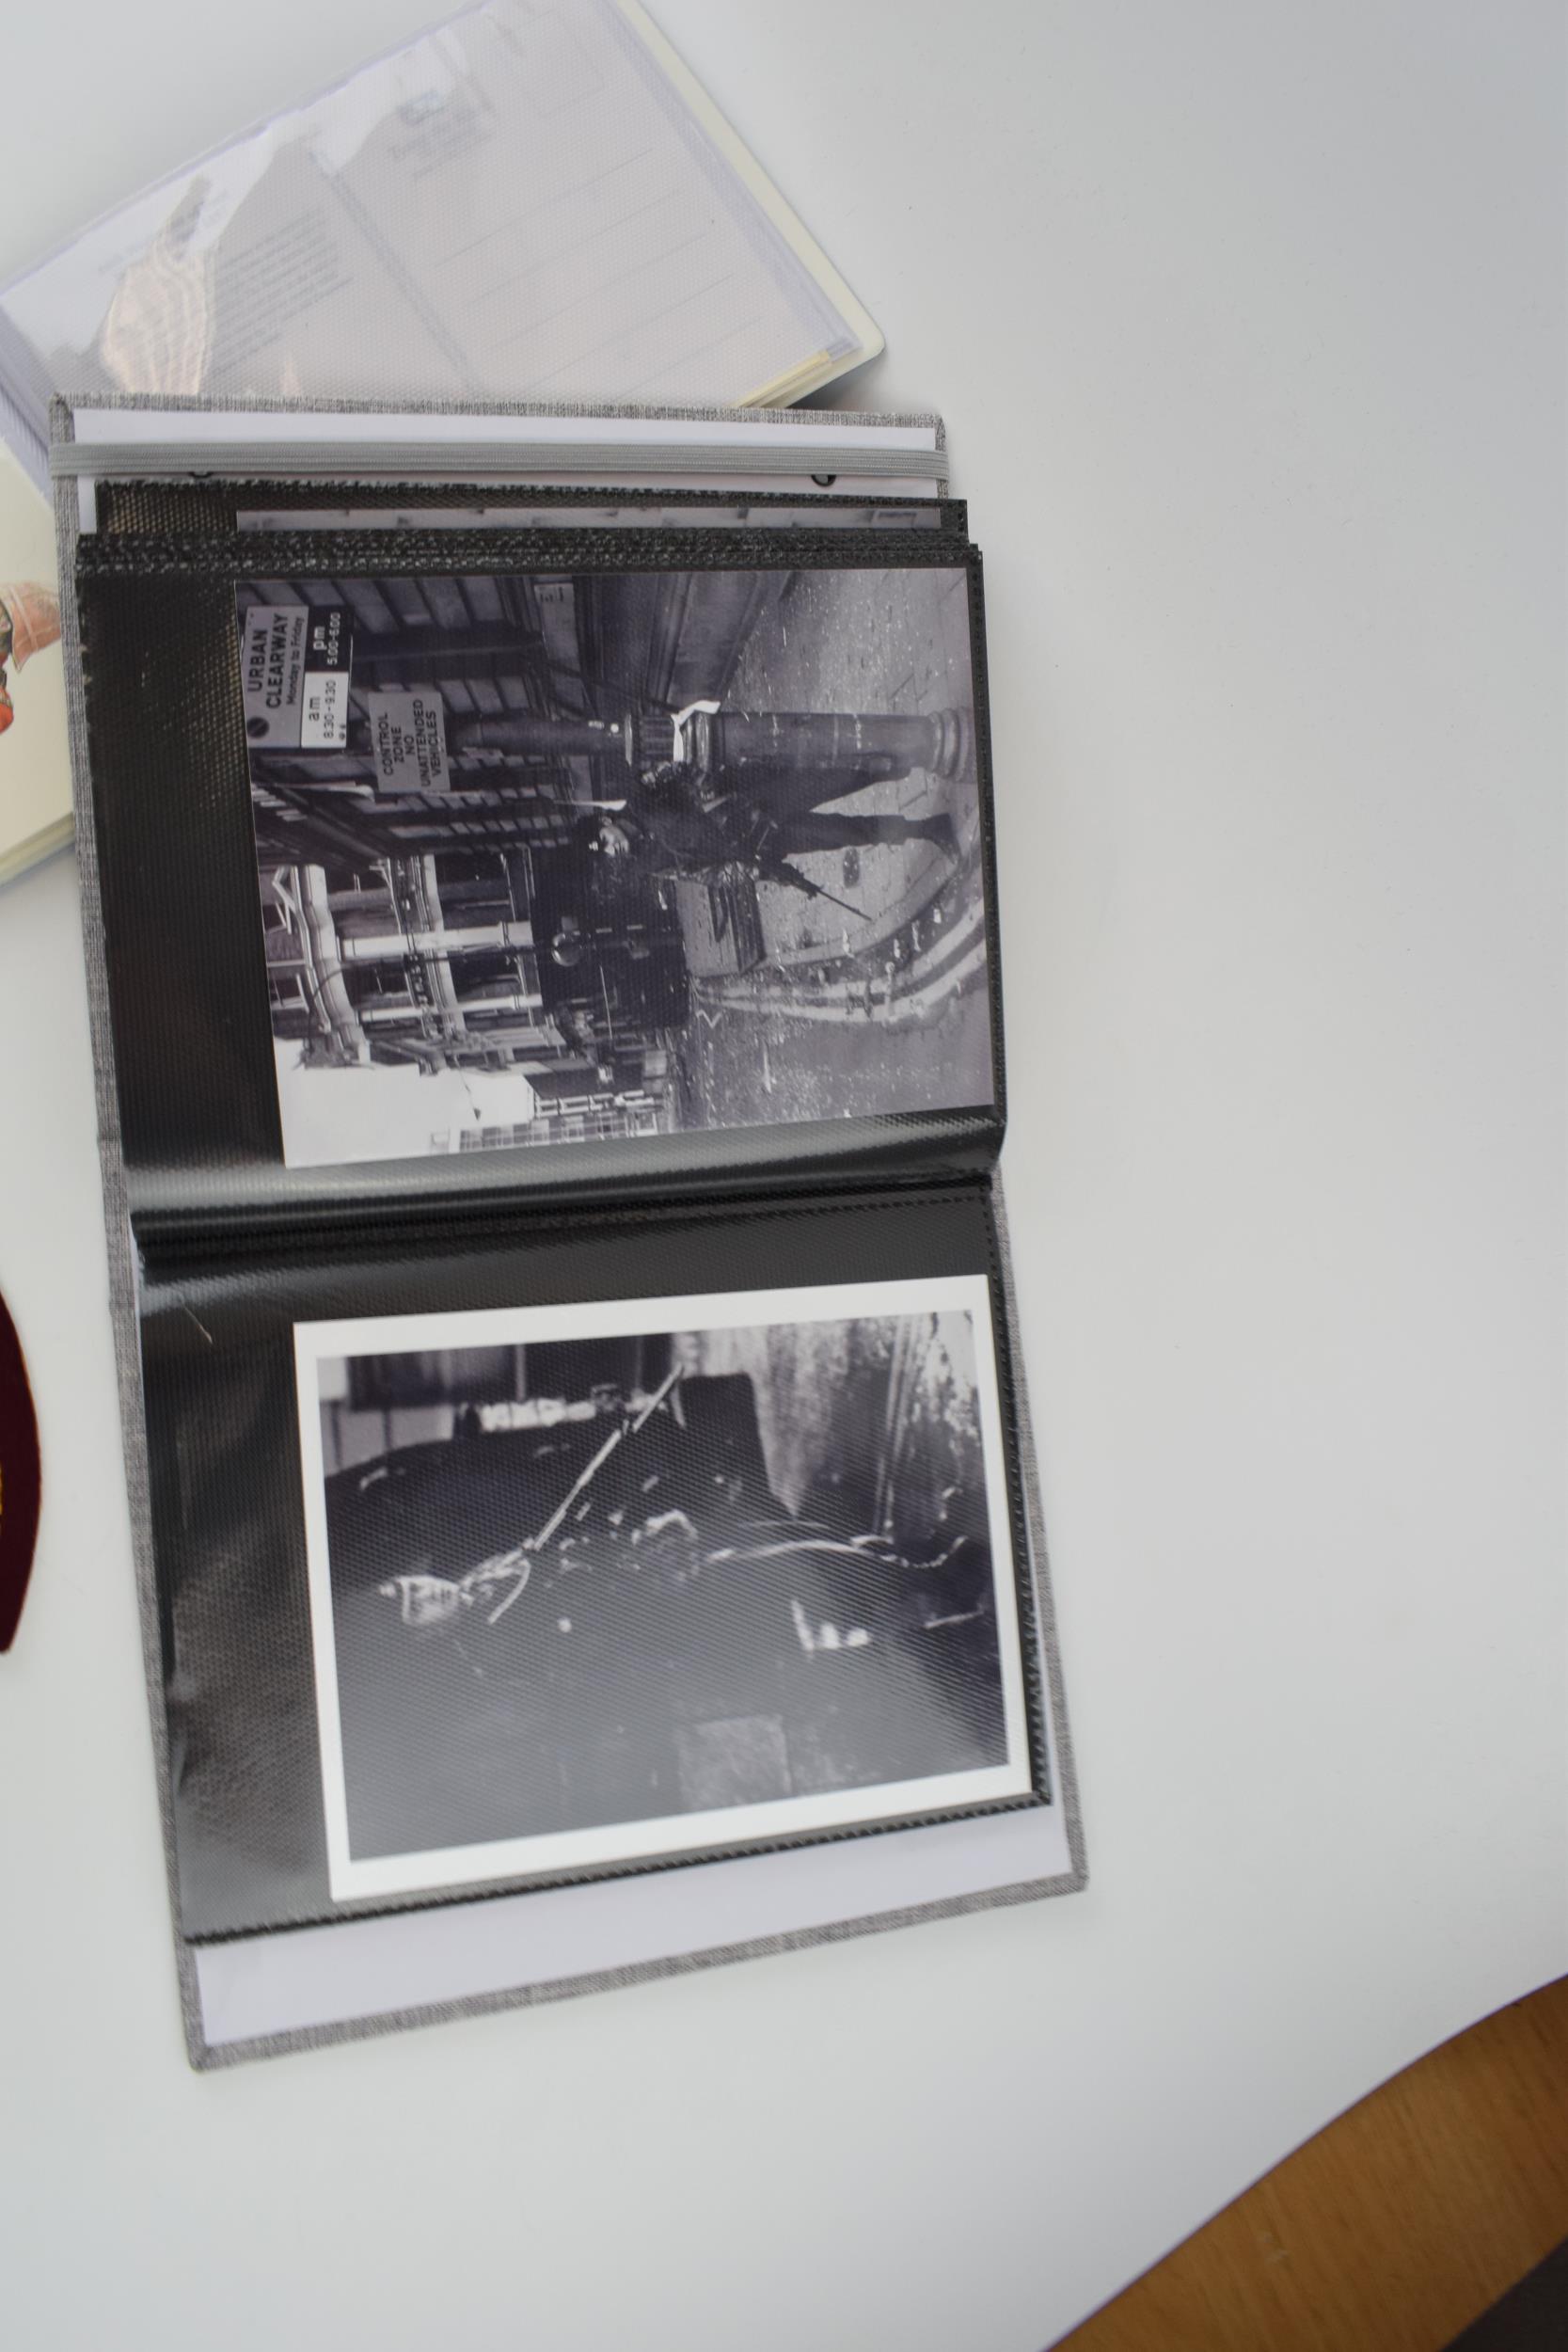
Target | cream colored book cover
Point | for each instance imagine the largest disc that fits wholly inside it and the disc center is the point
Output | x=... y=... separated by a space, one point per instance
x=35 y=764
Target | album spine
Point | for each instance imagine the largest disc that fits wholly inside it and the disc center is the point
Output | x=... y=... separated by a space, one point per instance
x=179 y=1231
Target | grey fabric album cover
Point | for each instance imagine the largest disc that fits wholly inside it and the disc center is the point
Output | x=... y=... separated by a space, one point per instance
x=545 y=999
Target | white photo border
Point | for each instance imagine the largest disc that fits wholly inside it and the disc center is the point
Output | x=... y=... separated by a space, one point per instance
x=680 y=1835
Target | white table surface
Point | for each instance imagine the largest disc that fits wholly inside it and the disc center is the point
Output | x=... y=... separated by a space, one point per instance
x=1246 y=322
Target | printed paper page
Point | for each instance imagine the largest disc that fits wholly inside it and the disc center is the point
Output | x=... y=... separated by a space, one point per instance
x=518 y=204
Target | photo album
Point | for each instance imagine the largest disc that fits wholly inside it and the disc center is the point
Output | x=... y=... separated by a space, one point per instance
x=540 y=891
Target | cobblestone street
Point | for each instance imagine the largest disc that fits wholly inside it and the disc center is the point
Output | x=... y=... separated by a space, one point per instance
x=816 y=1028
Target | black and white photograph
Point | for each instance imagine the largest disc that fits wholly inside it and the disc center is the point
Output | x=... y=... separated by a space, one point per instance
x=595 y=1585
x=588 y=855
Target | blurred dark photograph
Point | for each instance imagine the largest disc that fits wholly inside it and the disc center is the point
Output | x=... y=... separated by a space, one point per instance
x=581 y=1599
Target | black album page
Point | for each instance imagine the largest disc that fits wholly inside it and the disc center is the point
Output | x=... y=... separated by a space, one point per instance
x=521 y=1554
x=540 y=860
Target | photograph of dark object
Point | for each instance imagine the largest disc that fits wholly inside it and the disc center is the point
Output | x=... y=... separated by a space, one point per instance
x=593 y=1598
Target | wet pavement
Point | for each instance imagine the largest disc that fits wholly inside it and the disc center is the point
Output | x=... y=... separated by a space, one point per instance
x=884 y=1009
